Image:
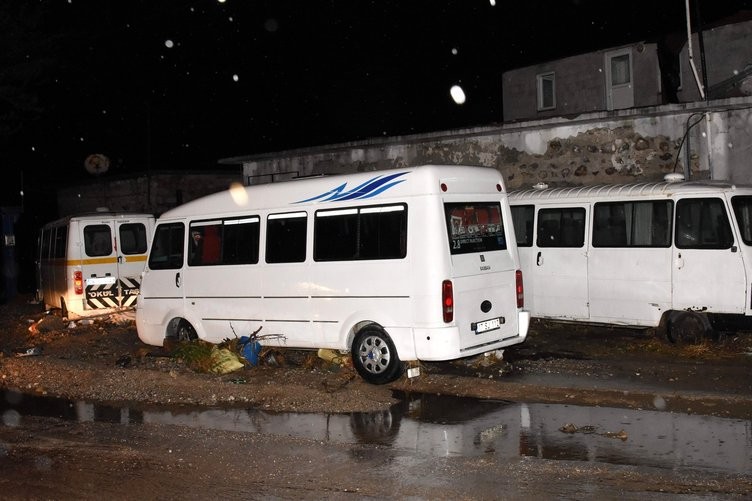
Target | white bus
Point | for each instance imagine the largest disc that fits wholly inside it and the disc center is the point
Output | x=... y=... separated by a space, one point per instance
x=92 y=263
x=418 y=263
x=672 y=255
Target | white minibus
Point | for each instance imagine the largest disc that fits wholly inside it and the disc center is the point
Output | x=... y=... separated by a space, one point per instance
x=418 y=263
x=672 y=255
x=91 y=263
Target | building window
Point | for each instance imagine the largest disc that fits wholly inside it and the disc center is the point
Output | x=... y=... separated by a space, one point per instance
x=621 y=70
x=546 y=91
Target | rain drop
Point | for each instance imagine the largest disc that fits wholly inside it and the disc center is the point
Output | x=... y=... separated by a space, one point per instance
x=493 y=3
x=235 y=77
x=457 y=94
x=169 y=44
x=454 y=51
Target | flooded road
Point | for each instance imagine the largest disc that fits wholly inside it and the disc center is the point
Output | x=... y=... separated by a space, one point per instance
x=430 y=445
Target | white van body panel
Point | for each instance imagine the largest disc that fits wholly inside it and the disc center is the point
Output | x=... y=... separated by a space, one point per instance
x=637 y=285
x=323 y=303
x=109 y=252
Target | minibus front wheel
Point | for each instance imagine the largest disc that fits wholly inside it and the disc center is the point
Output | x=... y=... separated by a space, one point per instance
x=374 y=356
x=181 y=330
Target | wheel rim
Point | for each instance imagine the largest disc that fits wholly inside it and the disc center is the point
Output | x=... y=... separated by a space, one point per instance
x=374 y=354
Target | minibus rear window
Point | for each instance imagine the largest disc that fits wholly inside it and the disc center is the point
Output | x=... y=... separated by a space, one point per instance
x=98 y=240
x=132 y=238
x=474 y=227
x=743 y=213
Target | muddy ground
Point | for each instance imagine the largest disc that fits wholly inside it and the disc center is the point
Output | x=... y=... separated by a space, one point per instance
x=104 y=360
x=42 y=458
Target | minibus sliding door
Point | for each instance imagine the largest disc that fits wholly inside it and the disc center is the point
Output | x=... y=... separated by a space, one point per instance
x=559 y=263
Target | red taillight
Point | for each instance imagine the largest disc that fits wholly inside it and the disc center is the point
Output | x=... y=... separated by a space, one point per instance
x=447 y=301
x=520 y=290
x=78 y=282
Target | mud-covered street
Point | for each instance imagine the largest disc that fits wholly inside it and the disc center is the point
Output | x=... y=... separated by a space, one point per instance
x=578 y=413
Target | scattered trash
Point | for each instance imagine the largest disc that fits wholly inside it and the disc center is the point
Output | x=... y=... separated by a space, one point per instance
x=331 y=356
x=224 y=361
x=413 y=372
x=238 y=380
x=47 y=324
x=72 y=325
x=29 y=352
x=249 y=349
x=592 y=430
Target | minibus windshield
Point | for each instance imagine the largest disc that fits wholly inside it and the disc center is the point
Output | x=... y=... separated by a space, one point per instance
x=743 y=213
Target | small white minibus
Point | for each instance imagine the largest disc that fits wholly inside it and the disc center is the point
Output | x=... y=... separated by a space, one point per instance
x=91 y=263
x=672 y=255
x=418 y=263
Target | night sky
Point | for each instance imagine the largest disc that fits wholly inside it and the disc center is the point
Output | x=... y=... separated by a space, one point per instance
x=173 y=84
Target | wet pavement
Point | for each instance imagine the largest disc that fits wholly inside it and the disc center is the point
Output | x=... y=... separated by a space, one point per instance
x=452 y=426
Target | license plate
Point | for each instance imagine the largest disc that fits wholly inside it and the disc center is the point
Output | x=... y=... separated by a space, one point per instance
x=487 y=325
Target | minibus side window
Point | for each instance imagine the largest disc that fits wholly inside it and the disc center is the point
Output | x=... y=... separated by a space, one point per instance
x=61 y=240
x=240 y=242
x=132 y=238
x=97 y=240
x=167 y=247
x=374 y=232
x=561 y=227
x=474 y=227
x=205 y=244
x=286 y=237
x=229 y=241
x=523 y=217
x=632 y=224
x=743 y=212
x=702 y=223
x=46 y=251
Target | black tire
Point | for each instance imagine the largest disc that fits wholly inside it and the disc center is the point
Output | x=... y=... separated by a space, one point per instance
x=689 y=327
x=185 y=332
x=375 y=357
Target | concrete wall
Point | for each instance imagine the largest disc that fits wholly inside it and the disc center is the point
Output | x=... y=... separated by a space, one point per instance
x=728 y=53
x=606 y=147
x=580 y=84
x=153 y=193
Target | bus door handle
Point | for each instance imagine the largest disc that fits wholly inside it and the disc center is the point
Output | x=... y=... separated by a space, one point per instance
x=679 y=262
x=177 y=279
x=539 y=259
x=120 y=259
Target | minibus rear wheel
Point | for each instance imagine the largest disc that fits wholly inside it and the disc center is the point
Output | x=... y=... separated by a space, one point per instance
x=374 y=356
x=689 y=327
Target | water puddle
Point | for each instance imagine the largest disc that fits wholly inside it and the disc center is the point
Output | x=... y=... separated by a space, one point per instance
x=447 y=426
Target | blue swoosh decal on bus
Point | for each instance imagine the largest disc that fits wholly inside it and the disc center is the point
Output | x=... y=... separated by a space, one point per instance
x=368 y=189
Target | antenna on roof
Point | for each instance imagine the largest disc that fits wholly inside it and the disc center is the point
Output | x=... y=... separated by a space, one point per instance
x=673 y=177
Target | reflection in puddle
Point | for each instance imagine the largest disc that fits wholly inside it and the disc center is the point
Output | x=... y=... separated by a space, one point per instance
x=446 y=426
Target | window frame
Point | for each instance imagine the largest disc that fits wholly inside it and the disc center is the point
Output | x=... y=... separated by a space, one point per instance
x=540 y=80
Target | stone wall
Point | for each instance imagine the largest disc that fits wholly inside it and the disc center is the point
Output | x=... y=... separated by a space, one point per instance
x=152 y=193
x=608 y=147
